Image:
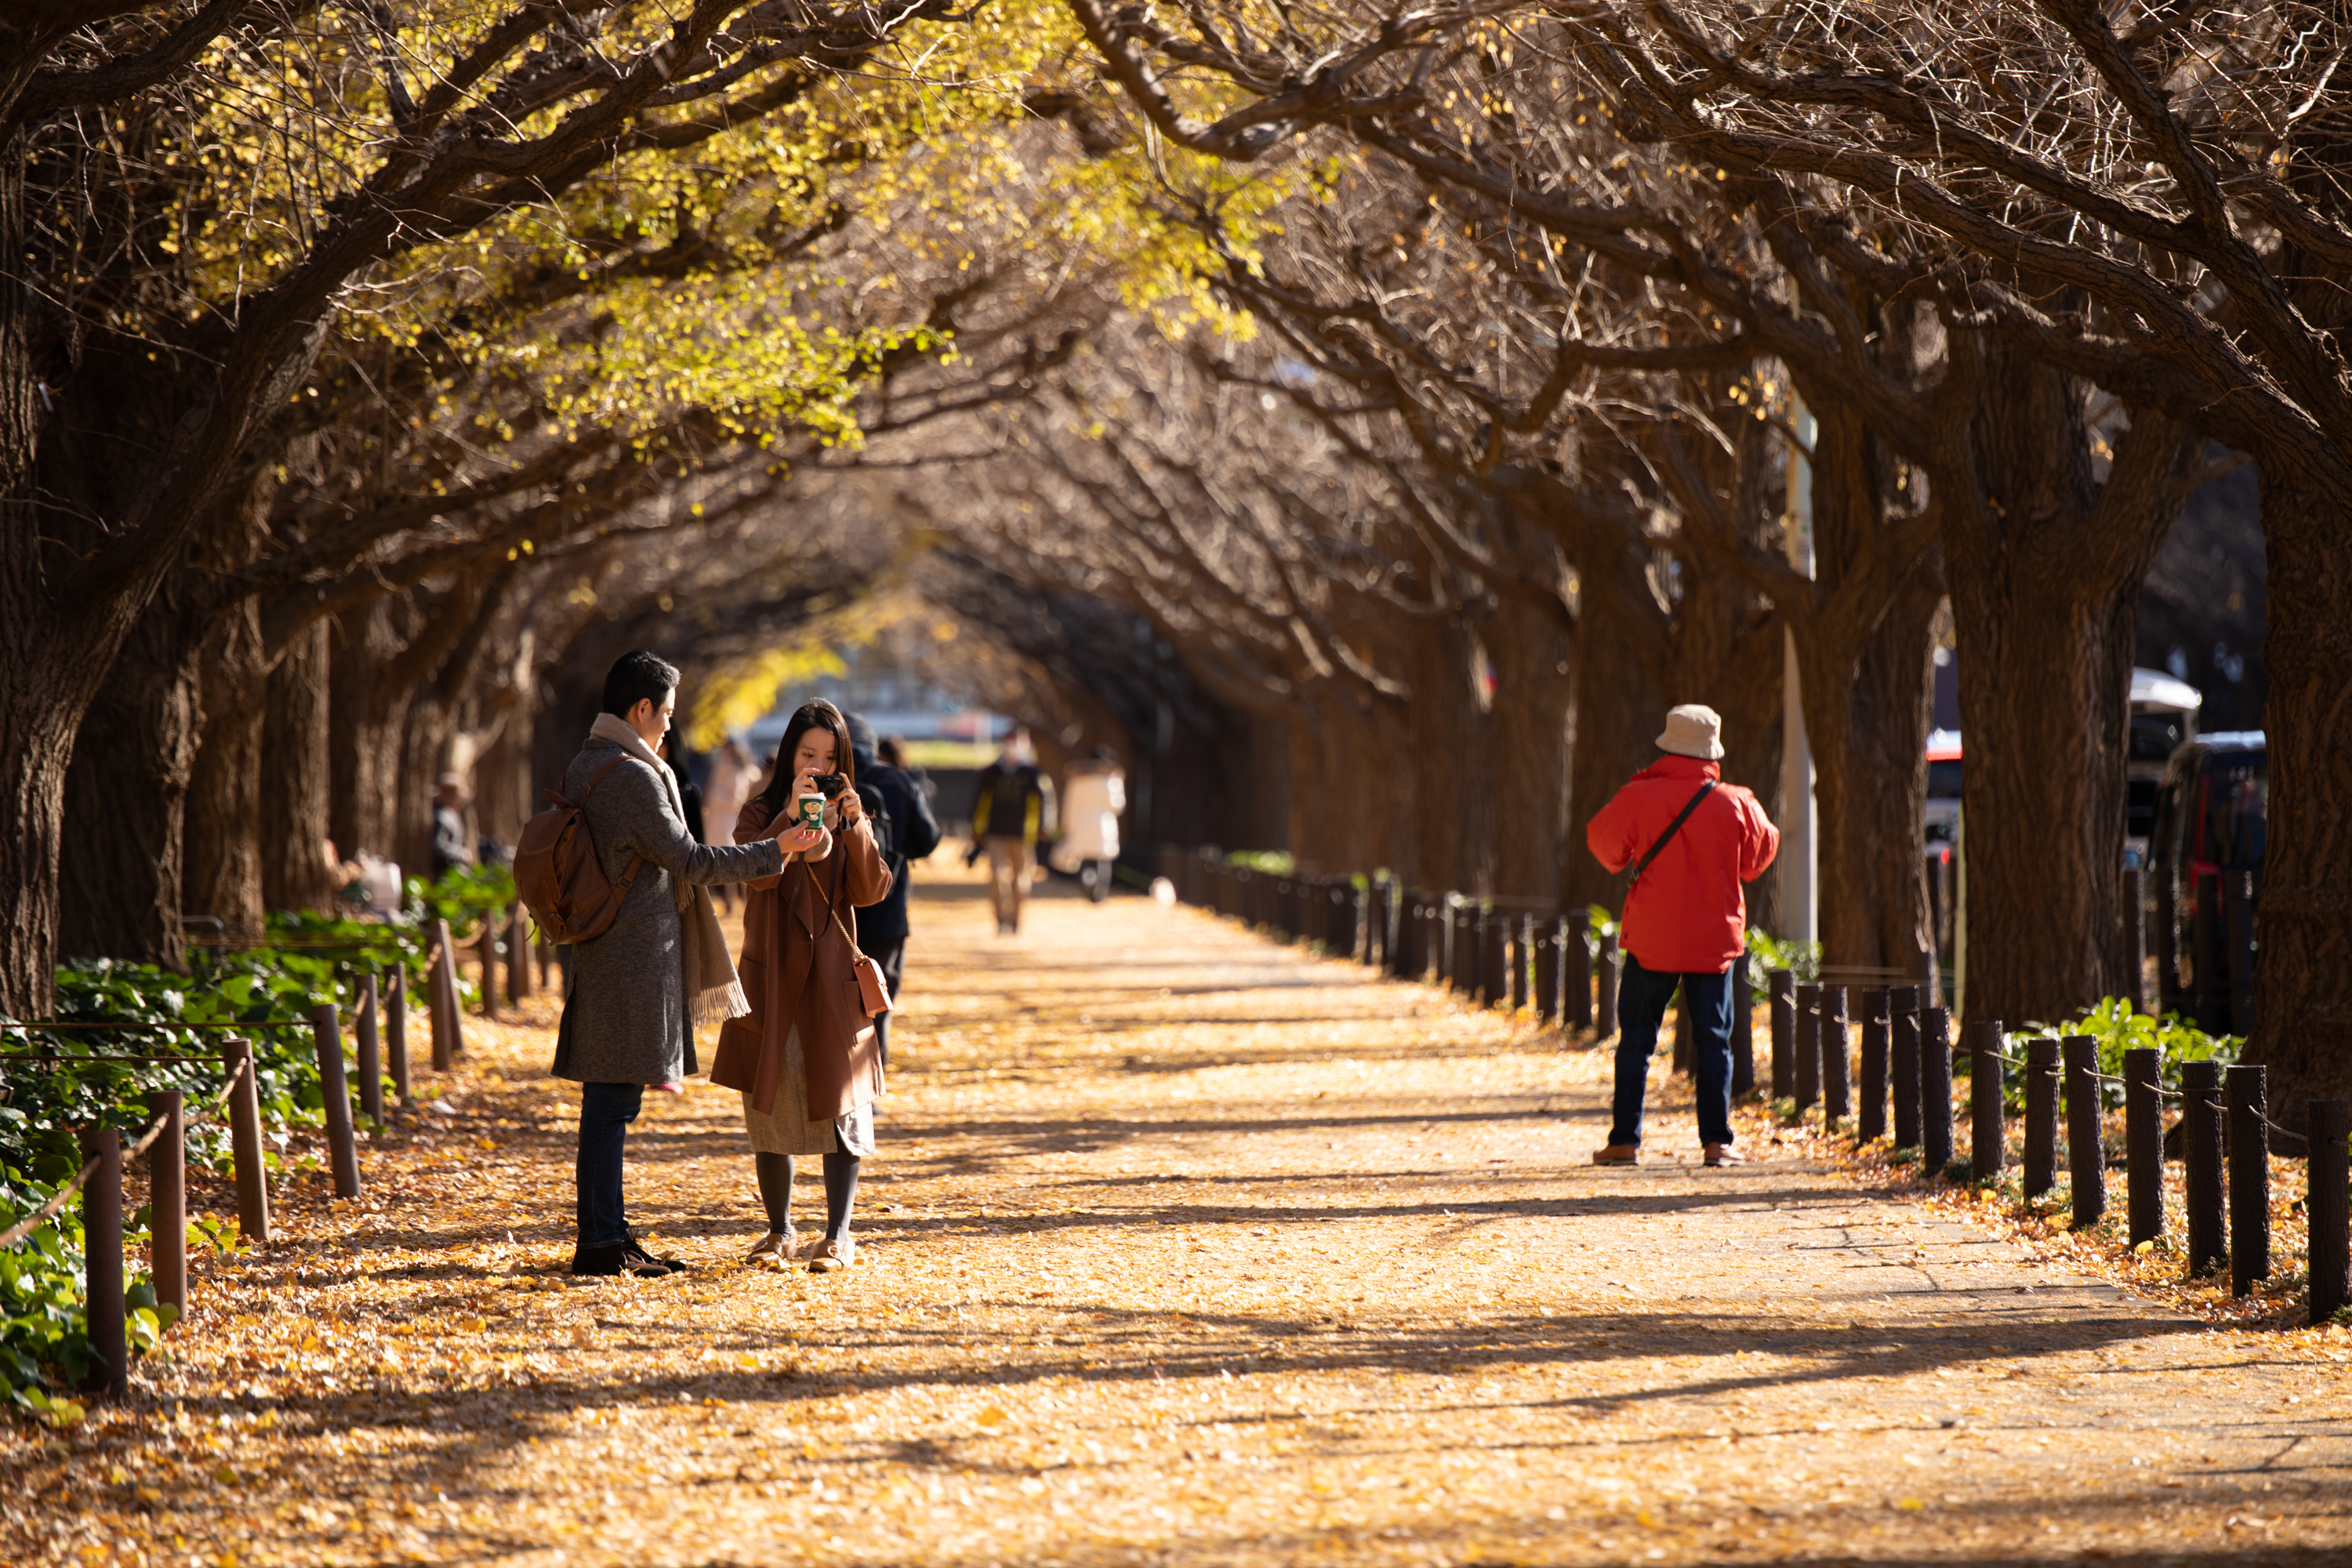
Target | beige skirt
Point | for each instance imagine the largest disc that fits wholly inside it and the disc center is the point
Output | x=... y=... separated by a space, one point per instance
x=787 y=1129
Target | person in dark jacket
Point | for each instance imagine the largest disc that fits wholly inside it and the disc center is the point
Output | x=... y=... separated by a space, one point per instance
x=452 y=846
x=901 y=813
x=1013 y=808
x=1686 y=923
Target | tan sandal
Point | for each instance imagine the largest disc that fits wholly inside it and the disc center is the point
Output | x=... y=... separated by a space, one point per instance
x=776 y=1247
x=837 y=1253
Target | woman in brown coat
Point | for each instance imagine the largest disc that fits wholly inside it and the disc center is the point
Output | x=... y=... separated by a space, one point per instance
x=806 y=1058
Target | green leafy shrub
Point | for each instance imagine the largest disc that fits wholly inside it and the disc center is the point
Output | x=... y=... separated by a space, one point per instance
x=1272 y=862
x=2119 y=1027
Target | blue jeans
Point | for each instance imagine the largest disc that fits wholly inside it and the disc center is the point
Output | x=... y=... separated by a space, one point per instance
x=1642 y=998
x=606 y=1111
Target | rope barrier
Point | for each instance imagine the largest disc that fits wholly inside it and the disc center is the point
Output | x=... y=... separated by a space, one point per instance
x=65 y=1194
x=93 y=1057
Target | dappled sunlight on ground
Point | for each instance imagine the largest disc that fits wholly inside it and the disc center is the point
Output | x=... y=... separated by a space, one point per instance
x=1180 y=1247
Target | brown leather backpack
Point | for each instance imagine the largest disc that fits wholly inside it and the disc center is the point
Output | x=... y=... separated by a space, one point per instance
x=557 y=874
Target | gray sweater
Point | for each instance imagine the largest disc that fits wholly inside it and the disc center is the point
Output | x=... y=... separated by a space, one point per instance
x=626 y=1019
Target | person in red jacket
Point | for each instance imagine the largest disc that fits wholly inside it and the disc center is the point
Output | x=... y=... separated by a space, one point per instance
x=1693 y=839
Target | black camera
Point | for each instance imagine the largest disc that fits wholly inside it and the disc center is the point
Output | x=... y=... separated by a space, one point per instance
x=830 y=785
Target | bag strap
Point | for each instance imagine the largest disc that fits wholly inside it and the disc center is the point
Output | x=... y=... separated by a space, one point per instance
x=856 y=952
x=1671 y=828
x=637 y=861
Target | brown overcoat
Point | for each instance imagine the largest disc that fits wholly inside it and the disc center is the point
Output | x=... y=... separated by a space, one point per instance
x=796 y=966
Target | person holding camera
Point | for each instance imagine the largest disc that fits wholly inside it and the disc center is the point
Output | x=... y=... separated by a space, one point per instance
x=806 y=1059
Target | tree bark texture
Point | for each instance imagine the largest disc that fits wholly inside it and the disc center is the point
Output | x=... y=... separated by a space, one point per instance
x=2044 y=565
x=1619 y=710
x=225 y=821
x=1529 y=646
x=296 y=778
x=1865 y=661
x=2303 y=1011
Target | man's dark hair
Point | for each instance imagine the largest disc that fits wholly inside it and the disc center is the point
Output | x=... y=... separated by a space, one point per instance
x=638 y=676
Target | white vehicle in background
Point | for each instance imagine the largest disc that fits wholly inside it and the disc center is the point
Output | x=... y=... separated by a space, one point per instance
x=2163 y=720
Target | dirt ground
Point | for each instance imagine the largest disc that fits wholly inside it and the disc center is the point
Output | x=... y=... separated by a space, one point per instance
x=1180 y=1247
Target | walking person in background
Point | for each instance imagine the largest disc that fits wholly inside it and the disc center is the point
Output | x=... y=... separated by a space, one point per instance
x=1013 y=808
x=638 y=989
x=1090 y=808
x=1692 y=840
x=452 y=844
x=805 y=1057
x=906 y=831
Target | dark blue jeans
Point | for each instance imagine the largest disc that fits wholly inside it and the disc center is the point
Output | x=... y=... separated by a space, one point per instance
x=1642 y=998
x=606 y=1111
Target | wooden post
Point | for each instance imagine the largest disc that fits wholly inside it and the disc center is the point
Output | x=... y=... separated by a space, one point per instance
x=490 y=964
x=2134 y=939
x=102 y=1240
x=1783 y=982
x=395 y=1017
x=1576 y=931
x=1743 y=1030
x=371 y=1062
x=2086 y=1161
x=1987 y=1117
x=1872 y=1121
x=2327 y=1200
x=2200 y=1100
x=1523 y=932
x=167 y=1199
x=1495 y=935
x=518 y=987
x=1551 y=947
x=1837 y=1092
x=1809 y=1047
x=245 y=1144
x=2249 y=1179
x=1604 y=1010
x=2143 y=1144
x=1903 y=1055
x=2167 y=941
x=2208 y=995
x=2041 y=1116
x=1935 y=1090
x=334 y=1088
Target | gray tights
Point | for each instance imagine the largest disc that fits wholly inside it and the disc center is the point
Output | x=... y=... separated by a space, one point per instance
x=775 y=1173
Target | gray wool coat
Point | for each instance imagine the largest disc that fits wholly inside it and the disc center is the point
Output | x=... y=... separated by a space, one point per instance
x=626 y=1020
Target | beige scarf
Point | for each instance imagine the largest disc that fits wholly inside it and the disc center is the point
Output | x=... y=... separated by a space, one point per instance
x=713 y=993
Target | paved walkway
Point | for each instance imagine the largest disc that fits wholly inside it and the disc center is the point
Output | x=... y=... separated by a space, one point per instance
x=1182 y=1248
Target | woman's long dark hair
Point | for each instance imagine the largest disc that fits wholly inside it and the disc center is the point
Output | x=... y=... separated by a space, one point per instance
x=817 y=715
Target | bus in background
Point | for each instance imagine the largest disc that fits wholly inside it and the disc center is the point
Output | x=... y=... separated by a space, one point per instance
x=2211 y=826
x=2163 y=720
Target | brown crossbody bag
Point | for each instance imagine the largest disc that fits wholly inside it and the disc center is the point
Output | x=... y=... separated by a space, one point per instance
x=873 y=994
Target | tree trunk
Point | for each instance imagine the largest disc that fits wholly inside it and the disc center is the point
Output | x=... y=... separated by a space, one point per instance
x=1863 y=659
x=1529 y=645
x=297 y=779
x=119 y=873
x=226 y=819
x=2045 y=568
x=368 y=718
x=1619 y=712
x=2302 y=1008
x=1448 y=759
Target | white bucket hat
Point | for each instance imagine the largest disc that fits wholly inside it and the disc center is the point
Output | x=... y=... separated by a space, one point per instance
x=1692 y=729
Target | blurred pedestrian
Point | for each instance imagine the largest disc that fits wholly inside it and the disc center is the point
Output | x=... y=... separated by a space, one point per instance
x=1090 y=810
x=1013 y=808
x=906 y=831
x=732 y=777
x=1686 y=919
x=452 y=844
x=638 y=989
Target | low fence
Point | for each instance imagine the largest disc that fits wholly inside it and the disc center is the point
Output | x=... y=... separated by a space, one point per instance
x=1899 y=1085
x=379 y=1020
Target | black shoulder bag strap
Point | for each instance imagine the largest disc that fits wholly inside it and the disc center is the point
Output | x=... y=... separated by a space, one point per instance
x=1671 y=828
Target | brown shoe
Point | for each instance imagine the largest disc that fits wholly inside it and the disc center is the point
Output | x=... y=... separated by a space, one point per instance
x=1725 y=1154
x=1618 y=1154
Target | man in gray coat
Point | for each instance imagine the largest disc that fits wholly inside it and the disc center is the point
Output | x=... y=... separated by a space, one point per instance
x=637 y=989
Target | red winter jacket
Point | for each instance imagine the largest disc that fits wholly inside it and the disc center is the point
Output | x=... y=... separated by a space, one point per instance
x=1687 y=915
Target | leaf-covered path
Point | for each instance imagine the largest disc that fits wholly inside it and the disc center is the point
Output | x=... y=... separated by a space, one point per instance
x=1180 y=1247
